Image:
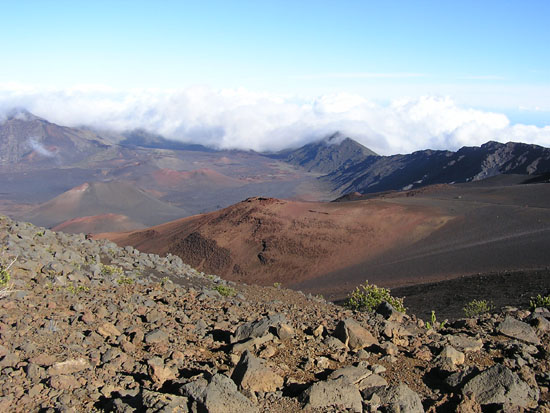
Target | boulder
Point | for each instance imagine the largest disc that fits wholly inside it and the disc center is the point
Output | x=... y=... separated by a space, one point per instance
x=389 y=313
x=465 y=344
x=68 y=367
x=258 y=328
x=353 y=335
x=164 y=402
x=400 y=399
x=252 y=373
x=219 y=395
x=499 y=385
x=338 y=394
x=519 y=330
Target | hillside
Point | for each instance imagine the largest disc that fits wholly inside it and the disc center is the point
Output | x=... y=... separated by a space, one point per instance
x=99 y=198
x=28 y=142
x=422 y=168
x=267 y=240
x=87 y=326
x=393 y=239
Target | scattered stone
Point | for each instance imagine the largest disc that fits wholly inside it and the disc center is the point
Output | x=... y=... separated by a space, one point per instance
x=159 y=372
x=220 y=395
x=519 y=330
x=164 y=402
x=69 y=367
x=465 y=344
x=353 y=335
x=498 y=385
x=338 y=394
x=156 y=336
x=251 y=373
x=400 y=399
x=258 y=328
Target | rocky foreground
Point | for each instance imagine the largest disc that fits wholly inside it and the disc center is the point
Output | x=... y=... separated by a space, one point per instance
x=88 y=326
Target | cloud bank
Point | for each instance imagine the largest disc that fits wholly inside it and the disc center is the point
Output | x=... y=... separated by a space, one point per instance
x=241 y=119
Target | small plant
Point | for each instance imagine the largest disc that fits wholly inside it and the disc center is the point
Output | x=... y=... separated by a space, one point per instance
x=433 y=323
x=40 y=233
x=5 y=275
x=277 y=285
x=369 y=297
x=539 y=301
x=164 y=281
x=477 y=307
x=111 y=270
x=124 y=280
x=226 y=291
x=75 y=289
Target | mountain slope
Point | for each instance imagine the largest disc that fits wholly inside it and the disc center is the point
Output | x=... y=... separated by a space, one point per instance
x=98 y=223
x=28 y=142
x=98 y=198
x=377 y=174
x=328 y=154
x=266 y=240
x=433 y=233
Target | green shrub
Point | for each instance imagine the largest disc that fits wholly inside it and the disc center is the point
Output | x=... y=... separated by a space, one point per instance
x=75 y=289
x=5 y=275
x=477 y=307
x=368 y=297
x=540 y=301
x=226 y=291
x=124 y=280
x=111 y=270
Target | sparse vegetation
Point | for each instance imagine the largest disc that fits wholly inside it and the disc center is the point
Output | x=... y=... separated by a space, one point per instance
x=540 y=302
x=277 y=285
x=367 y=297
x=123 y=280
x=111 y=270
x=5 y=278
x=434 y=324
x=75 y=289
x=226 y=291
x=477 y=307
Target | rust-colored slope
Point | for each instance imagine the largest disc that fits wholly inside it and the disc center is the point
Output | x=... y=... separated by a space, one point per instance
x=98 y=223
x=266 y=240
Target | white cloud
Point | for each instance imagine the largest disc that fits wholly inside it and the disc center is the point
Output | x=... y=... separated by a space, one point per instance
x=41 y=149
x=239 y=118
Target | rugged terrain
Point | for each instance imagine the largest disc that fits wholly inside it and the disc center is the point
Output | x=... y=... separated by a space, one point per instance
x=88 y=326
x=42 y=162
x=394 y=239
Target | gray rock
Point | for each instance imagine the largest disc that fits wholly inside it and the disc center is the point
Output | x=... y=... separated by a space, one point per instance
x=498 y=385
x=353 y=335
x=156 y=336
x=339 y=393
x=69 y=367
x=220 y=395
x=388 y=312
x=251 y=373
x=465 y=344
x=258 y=328
x=163 y=402
x=519 y=330
x=352 y=373
x=400 y=399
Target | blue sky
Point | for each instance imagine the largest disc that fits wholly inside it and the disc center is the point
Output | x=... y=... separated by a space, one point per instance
x=485 y=55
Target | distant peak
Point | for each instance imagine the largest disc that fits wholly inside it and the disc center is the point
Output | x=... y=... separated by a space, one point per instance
x=21 y=114
x=336 y=138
